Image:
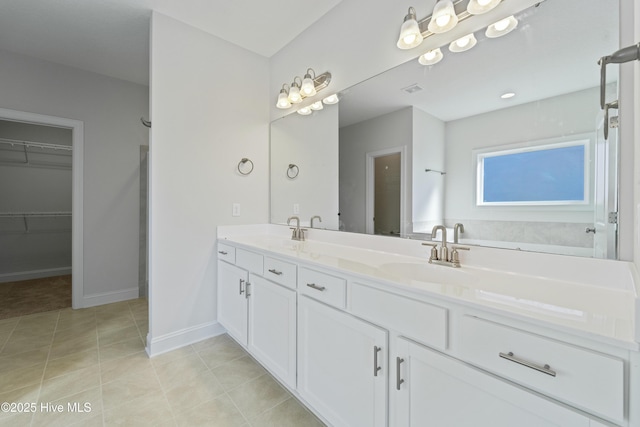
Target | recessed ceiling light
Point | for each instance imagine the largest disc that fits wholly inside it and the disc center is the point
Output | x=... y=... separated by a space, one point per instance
x=507 y=95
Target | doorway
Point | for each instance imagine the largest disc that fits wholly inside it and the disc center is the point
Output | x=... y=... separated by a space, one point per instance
x=33 y=153
x=385 y=192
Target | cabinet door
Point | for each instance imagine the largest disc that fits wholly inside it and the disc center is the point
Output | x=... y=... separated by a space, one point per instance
x=342 y=365
x=436 y=390
x=232 y=300
x=272 y=327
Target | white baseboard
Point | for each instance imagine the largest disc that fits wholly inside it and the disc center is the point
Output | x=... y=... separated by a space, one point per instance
x=109 y=297
x=34 y=274
x=183 y=337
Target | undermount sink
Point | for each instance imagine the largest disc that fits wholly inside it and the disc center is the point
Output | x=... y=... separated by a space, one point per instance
x=429 y=273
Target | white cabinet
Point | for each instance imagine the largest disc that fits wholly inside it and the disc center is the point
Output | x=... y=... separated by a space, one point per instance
x=431 y=389
x=232 y=300
x=342 y=365
x=272 y=327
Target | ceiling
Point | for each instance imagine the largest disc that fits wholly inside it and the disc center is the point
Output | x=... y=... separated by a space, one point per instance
x=111 y=37
x=554 y=50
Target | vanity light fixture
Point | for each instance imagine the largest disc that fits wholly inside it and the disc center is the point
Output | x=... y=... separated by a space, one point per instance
x=302 y=88
x=502 y=27
x=283 y=98
x=477 y=7
x=294 y=93
x=463 y=43
x=443 y=18
x=410 y=35
x=331 y=99
x=308 y=88
x=432 y=57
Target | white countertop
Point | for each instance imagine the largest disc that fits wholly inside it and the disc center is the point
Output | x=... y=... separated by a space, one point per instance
x=604 y=313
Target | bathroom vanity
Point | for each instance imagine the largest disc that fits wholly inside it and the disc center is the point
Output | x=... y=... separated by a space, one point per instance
x=366 y=332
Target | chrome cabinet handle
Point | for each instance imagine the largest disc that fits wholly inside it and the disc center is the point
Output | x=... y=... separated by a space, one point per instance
x=546 y=369
x=274 y=271
x=223 y=252
x=376 y=368
x=247 y=294
x=316 y=287
x=399 y=380
x=241 y=290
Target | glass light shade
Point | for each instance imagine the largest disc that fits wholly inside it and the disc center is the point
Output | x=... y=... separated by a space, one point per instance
x=463 y=43
x=410 y=35
x=443 y=17
x=308 y=88
x=316 y=106
x=331 y=99
x=305 y=111
x=294 y=94
x=502 y=27
x=476 y=7
x=432 y=57
x=283 y=101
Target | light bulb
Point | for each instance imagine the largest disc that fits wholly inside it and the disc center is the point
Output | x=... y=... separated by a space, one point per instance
x=308 y=88
x=443 y=20
x=502 y=25
x=443 y=17
x=463 y=43
x=304 y=111
x=410 y=35
x=294 y=94
x=331 y=99
x=316 y=106
x=484 y=2
x=432 y=57
x=283 y=102
x=476 y=7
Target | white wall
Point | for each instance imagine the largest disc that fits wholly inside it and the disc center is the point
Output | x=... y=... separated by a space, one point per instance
x=111 y=110
x=311 y=143
x=377 y=134
x=210 y=108
x=428 y=192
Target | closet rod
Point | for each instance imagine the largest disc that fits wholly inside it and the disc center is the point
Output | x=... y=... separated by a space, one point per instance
x=33 y=214
x=36 y=144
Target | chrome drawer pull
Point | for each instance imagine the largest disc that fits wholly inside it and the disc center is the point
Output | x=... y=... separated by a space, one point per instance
x=247 y=294
x=316 y=287
x=399 y=380
x=241 y=290
x=546 y=369
x=376 y=368
x=274 y=271
x=223 y=252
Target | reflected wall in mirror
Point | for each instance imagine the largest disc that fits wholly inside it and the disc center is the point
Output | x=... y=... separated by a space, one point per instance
x=440 y=117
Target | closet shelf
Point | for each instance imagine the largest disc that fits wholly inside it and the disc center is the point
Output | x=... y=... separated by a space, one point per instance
x=26 y=215
x=31 y=153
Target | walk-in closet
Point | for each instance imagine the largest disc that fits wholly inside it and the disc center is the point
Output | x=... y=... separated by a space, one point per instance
x=35 y=218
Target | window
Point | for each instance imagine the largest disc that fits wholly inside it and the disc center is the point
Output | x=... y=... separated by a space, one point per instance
x=550 y=174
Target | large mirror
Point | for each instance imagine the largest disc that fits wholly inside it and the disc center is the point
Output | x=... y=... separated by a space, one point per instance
x=419 y=145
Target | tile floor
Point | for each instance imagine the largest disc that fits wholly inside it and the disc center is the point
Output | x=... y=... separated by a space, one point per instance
x=95 y=357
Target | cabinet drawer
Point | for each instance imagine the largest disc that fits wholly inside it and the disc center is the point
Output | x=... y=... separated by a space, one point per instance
x=413 y=319
x=323 y=287
x=590 y=380
x=280 y=272
x=249 y=261
x=227 y=253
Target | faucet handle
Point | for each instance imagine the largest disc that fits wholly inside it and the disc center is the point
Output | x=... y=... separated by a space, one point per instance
x=462 y=248
x=434 y=251
x=455 y=260
x=301 y=233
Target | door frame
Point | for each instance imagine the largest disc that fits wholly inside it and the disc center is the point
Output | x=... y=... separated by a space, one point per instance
x=370 y=186
x=77 y=173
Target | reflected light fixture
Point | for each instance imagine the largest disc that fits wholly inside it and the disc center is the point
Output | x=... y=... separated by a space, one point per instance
x=507 y=95
x=331 y=99
x=317 y=106
x=304 y=111
x=443 y=18
x=302 y=88
x=477 y=7
x=463 y=43
x=502 y=27
x=432 y=57
x=410 y=35
x=283 y=98
x=308 y=87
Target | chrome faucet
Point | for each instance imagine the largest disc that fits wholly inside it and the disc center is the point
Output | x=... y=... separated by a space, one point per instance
x=314 y=217
x=444 y=258
x=457 y=229
x=298 y=233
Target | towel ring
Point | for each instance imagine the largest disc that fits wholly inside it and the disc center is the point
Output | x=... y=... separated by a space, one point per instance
x=242 y=162
x=292 y=171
